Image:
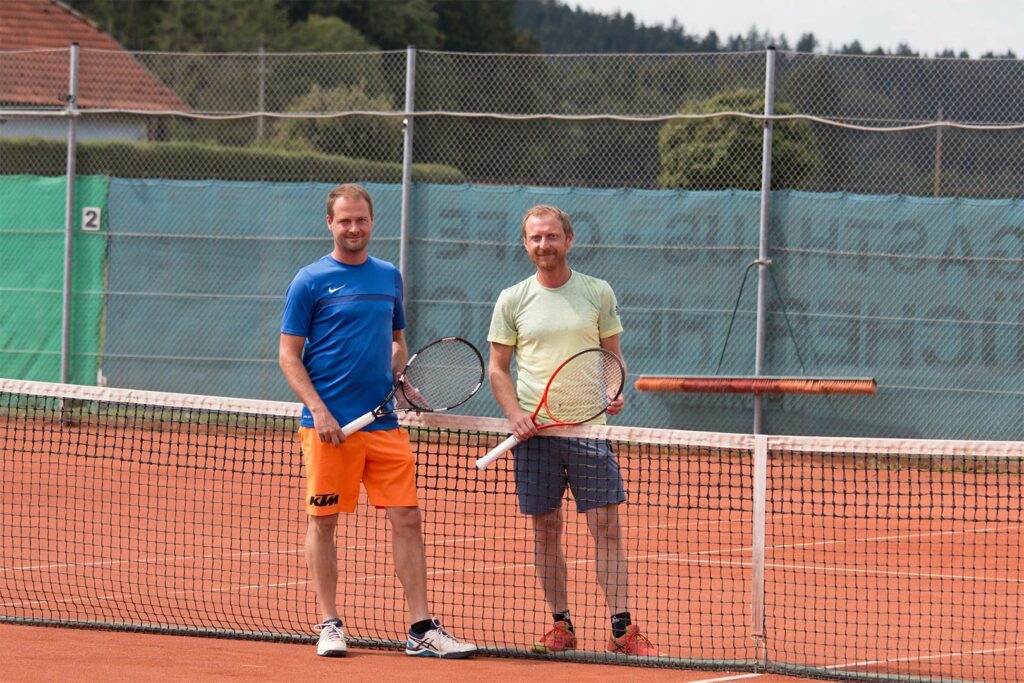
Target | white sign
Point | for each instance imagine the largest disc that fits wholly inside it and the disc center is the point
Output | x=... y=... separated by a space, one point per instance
x=91 y=218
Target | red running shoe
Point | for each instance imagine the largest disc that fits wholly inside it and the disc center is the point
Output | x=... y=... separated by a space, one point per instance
x=632 y=642
x=558 y=639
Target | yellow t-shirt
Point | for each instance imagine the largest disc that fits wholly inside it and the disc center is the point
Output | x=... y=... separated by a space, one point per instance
x=546 y=326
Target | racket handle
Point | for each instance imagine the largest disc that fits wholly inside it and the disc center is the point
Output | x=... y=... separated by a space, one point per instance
x=498 y=451
x=358 y=423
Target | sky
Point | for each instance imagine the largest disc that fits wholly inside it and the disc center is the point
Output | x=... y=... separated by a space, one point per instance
x=927 y=26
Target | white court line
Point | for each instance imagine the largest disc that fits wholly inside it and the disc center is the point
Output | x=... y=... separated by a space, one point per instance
x=742 y=563
x=850 y=570
x=694 y=558
x=516 y=535
x=898 y=537
x=170 y=559
x=128 y=597
x=946 y=655
x=737 y=677
x=529 y=565
x=166 y=559
x=704 y=522
x=673 y=557
x=865 y=539
x=348 y=579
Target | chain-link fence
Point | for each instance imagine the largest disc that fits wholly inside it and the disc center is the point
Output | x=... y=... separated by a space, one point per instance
x=895 y=217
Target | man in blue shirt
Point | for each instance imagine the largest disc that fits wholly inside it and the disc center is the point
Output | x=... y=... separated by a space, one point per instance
x=341 y=346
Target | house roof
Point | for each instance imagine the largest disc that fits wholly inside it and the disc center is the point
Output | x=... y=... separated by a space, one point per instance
x=35 y=40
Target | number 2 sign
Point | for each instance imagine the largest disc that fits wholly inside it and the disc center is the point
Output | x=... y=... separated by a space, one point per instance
x=91 y=218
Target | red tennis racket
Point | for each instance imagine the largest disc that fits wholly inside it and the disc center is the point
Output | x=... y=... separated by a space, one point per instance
x=580 y=389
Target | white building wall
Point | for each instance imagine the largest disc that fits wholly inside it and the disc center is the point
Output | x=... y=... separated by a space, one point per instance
x=57 y=128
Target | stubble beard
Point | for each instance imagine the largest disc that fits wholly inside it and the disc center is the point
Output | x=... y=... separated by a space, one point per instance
x=548 y=261
x=345 y=244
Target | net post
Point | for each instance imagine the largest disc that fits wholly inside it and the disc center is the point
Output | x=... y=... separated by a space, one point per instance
x=759 y=499
x=69 y=215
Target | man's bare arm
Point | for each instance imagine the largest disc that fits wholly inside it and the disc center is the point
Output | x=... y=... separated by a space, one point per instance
x=499 y=372
x=612 y=344
x=289 y=357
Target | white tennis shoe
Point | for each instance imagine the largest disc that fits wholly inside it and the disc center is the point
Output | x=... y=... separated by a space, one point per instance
x=332 y=639
x=437 y=642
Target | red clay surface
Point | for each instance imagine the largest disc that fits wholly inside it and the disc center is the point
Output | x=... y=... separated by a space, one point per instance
x=42 y=655
x=872 y=567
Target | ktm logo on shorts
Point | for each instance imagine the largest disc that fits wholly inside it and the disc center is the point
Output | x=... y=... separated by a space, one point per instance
x=323 y=499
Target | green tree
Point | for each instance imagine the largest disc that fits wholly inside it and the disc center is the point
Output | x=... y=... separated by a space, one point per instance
x=133 y=23
x=320 y=34
x=559 y=28
x=853 y=48
x=724 y=152
x=807 y=43
x=358 y=136
x=473 y=26
x=221 y=26
x=391 y=25
x=291 y=76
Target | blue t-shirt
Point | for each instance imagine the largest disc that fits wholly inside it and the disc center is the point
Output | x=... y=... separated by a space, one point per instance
x=347 y=315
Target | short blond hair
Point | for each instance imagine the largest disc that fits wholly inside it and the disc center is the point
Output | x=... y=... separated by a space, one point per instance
x=348 y=191
x=548 y=210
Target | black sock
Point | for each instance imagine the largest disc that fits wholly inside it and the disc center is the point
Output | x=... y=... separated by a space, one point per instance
x=421 y=627
x=333 y=620
x=619 y=623
x=564 y=616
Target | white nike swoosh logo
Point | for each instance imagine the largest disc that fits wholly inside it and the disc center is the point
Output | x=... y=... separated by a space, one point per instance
x=332 y=290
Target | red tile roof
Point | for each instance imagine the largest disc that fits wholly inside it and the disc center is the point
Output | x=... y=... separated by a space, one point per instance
x=35 y=40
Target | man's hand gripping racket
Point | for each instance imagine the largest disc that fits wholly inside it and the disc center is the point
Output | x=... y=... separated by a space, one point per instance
x=440 y=376
x=580 y=389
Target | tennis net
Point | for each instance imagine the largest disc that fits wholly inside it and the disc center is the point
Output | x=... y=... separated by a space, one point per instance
x=847 y=559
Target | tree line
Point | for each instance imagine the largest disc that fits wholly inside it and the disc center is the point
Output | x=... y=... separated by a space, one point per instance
x=520 y=26
x=563 y=29
x=309 y=25
x=715 y=76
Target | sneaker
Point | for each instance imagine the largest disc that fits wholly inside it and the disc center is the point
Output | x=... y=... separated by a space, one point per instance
x=632 y=642
x=332 y=639
x=438 y=643
x=558 y=639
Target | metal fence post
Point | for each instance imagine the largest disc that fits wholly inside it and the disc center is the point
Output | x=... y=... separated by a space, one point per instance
x=937 y=182
x=410 y=96
x=261 y=93
x=762 y=257
x=69 y=216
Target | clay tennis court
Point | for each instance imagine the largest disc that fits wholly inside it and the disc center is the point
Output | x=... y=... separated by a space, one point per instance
x=187 y=526
x=113 y=656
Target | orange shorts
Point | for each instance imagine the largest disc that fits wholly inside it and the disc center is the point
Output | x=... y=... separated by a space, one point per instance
x=382 y=460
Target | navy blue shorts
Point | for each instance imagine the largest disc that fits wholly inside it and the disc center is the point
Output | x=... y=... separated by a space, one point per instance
x=546 y=465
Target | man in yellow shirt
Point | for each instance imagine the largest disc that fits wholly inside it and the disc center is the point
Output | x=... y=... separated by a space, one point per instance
x=542 y=321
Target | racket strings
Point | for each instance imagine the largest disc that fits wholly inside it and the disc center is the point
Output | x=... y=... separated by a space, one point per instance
x=584 y=387
x=443 y=375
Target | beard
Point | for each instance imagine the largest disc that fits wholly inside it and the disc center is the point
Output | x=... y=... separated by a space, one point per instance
x=548 y=260
x=353 y=244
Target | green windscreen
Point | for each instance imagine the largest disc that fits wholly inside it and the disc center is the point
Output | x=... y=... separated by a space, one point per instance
x=32 y=275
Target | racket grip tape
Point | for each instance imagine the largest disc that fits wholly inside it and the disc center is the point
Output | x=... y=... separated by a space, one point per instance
x=498 y=451
x=358 y=423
